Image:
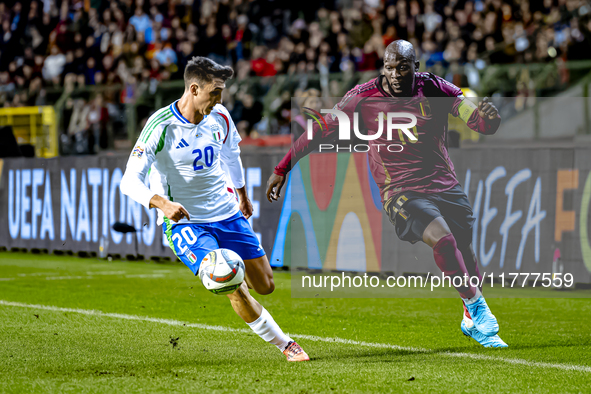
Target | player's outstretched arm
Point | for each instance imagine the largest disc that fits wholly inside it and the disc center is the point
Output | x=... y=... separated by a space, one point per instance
x=490 y=115
x=322 y=132
x=274 y=186
x=487 y=110
x=483 y=119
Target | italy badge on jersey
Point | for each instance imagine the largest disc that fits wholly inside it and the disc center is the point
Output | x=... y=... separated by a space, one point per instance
x=217 y=132
x=192 y=258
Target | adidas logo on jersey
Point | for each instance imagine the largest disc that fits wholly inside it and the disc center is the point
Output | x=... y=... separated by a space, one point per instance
x=182 y=144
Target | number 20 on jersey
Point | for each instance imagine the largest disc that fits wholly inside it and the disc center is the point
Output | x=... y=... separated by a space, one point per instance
x=208 y=153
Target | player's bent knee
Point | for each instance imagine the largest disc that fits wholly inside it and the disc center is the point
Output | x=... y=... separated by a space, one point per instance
x=446 y=245
x=266 y=286
x=435 y=231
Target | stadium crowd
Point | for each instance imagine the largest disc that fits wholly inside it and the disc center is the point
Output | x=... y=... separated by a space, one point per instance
x=53 y=44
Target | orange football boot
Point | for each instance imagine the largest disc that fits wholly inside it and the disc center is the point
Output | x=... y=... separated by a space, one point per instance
x=294 y=352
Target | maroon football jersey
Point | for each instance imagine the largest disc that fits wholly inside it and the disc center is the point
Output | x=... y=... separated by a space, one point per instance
x=401 y=163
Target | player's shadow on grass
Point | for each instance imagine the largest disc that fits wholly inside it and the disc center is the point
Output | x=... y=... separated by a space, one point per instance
x=473 y=345
x=397 y=355
x=382 y=355
x=550 y=345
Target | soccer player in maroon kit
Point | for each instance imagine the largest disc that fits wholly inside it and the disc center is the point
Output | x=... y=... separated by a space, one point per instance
x=419 y=188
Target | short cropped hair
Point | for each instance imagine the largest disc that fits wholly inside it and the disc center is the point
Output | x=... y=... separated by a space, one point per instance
x=203 y=71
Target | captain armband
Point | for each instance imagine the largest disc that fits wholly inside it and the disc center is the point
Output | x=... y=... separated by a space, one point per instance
x=466 y=109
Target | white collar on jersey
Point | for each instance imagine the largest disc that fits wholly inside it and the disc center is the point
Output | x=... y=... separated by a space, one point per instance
x=174 y=109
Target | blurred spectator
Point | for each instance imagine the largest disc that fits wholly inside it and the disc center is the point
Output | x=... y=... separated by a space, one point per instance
x=98 y=118
x=139 y=44
x=78 y=121
x=242 y=38
x=308 y=99
x=166 y=56
x=369 y=58
x=54 y=65
x=90 y=71
x=247 y=111
x=260 y=64
x=140 y=21
x=79 y=139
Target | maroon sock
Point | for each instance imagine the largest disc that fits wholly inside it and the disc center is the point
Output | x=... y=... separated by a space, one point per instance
x=472 y=265
x=466 y=313
x=450 y=261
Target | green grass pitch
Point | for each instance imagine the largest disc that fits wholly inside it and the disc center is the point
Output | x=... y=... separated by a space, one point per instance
x=86 y=325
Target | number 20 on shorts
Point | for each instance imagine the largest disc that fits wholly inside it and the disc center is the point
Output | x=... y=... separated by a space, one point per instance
x=189 y=237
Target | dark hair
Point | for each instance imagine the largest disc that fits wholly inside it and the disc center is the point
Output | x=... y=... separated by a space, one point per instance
x=203 y=71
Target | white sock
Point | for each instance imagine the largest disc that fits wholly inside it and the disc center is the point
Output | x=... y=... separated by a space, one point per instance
x=266 y=328
x=469 y=301
x=468 y=321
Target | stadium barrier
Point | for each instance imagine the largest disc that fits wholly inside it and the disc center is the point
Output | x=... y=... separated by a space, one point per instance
x=69 y=204
x=532 y=209
x=33 y=125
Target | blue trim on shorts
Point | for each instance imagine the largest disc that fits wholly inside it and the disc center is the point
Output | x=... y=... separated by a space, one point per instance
x=193 y=241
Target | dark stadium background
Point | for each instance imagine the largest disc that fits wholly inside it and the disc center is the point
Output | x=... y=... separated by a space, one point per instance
x=79 y=79
x=106 y=65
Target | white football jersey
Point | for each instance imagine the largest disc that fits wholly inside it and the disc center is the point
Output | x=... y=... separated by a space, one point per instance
x=186 y=161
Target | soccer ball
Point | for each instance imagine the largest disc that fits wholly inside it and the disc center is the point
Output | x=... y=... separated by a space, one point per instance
x=221 y=271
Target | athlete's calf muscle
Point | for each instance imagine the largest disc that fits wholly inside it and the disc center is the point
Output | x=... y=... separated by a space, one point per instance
x=259 y=275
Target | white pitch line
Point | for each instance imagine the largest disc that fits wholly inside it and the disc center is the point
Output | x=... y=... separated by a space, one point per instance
x=38 y=274
x=92 y=274
x=514 y=361
x=145 y=276
x=105 y=272
x=87 y=273
x=67 y=277
x=97 y=276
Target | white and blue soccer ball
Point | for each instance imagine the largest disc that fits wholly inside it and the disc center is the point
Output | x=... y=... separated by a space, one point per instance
x=221 y=271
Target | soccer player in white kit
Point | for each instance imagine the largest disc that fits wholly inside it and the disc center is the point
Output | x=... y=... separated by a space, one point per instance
x=182 y=148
